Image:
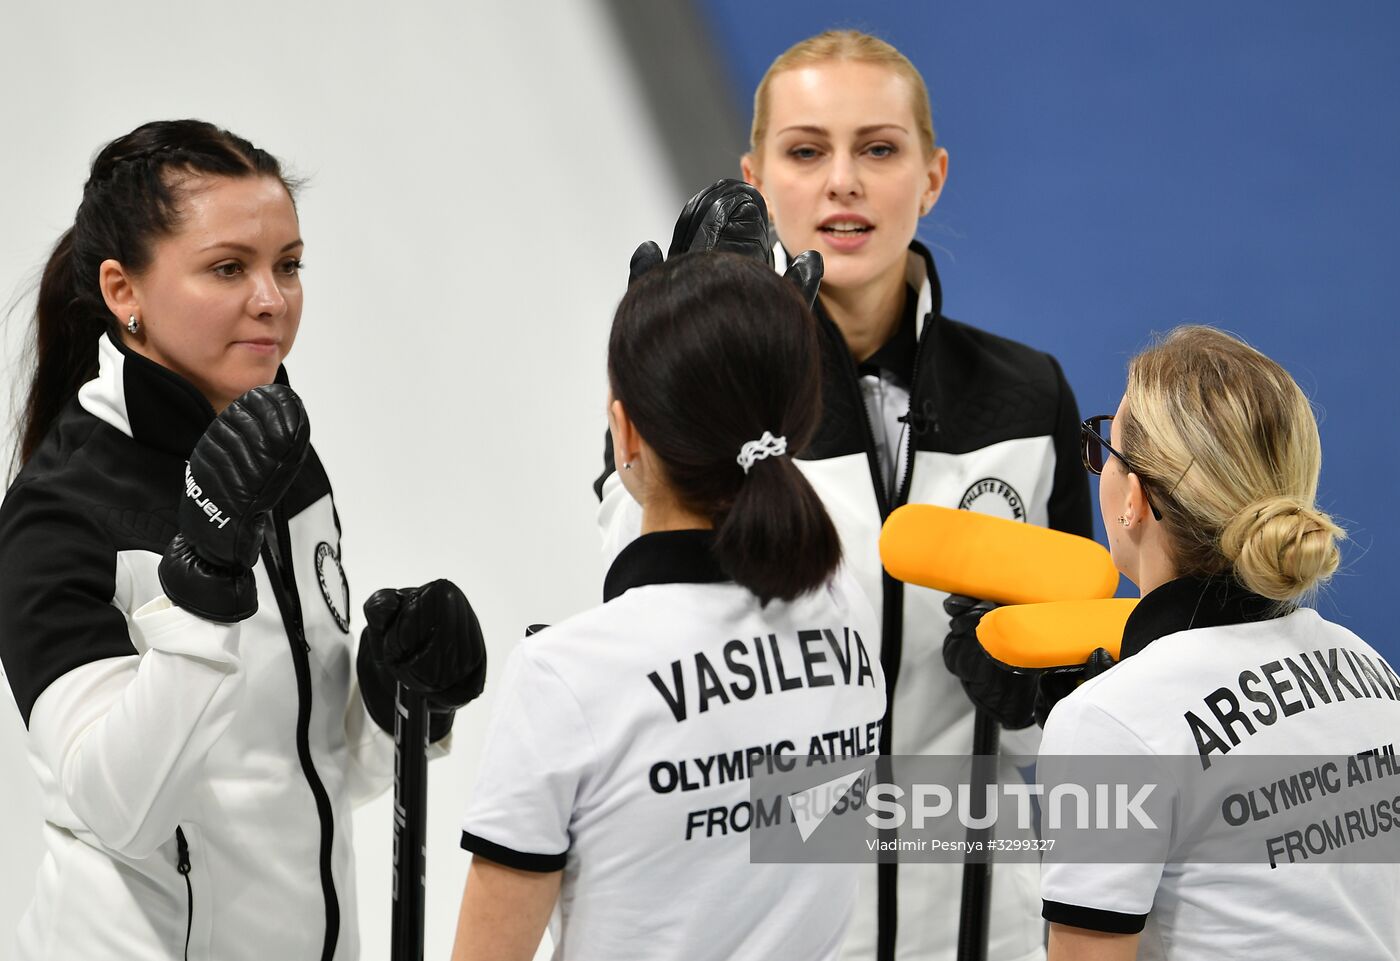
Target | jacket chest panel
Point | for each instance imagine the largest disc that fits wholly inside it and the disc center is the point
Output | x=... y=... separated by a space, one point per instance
x=324 y=591
x=1011 y=479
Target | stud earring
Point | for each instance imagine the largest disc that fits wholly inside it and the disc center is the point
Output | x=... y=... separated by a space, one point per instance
x=627 y=465
x=132 y=324
x=1123 y=520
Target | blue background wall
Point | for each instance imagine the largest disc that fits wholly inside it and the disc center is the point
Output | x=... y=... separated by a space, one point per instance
x=1118 y=169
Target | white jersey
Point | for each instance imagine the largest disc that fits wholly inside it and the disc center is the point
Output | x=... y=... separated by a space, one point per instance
x=622 y=744
x=1210 y=678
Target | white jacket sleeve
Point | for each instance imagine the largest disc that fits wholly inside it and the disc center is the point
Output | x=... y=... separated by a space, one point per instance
x=125 y=737
x=371 y=750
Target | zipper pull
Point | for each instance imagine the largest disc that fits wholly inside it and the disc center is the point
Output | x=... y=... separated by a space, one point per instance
x=183 y=863
x=918 y=424
x=923 y=421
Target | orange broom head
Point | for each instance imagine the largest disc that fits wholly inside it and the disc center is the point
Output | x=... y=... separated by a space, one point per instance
x=1009 y=562
x=1054 y=634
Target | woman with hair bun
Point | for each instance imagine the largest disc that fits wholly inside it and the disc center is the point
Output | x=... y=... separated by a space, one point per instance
x=617 y=772
x=1209 y=474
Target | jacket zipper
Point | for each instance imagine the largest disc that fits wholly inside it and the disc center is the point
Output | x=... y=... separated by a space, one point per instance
x=283 y=578
x=868 y=432
x=182 y=864
x=914 y=421
x=892 y=628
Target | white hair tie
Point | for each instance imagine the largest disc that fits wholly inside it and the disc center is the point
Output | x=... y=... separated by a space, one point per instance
x=756 y=450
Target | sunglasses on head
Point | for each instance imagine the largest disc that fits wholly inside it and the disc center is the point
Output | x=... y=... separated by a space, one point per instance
x=1095 y=448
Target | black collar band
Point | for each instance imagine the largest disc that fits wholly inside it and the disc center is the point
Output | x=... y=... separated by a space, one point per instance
x=935 y=312
x=935 y=285
x=664 y=557
x=163 y=409
x=1191 y=602
x=896 y=356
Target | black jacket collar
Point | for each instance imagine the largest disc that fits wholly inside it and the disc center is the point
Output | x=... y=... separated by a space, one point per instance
x=921 y=268
x=664 y=557
x=1192 y=602
x=896 y=355
x=935 y=285
x=163 y=409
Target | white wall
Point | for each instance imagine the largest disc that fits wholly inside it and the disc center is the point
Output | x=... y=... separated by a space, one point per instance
x=479 y=174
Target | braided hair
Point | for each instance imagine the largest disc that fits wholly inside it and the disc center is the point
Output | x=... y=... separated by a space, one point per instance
x=131 y=198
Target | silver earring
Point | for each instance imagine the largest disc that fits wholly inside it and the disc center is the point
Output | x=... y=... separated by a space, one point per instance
x=627 y=465
x=132 y=324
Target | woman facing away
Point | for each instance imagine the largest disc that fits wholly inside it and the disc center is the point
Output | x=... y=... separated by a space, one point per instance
x=1209 y=474
x=614 y=791
x=174 y=618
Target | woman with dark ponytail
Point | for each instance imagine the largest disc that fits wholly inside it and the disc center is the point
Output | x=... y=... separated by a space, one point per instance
x=772 y=534
x=194 y=719
x=616 y=776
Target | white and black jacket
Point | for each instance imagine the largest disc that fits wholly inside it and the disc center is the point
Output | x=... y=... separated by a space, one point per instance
x=196 y=777
x=989 y=425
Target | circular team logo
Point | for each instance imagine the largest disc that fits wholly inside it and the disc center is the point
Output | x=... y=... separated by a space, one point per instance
x=334 y=588
x=992 y=495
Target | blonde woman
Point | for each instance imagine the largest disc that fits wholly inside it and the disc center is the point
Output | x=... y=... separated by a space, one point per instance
x=1209 y=478
x=917 y=408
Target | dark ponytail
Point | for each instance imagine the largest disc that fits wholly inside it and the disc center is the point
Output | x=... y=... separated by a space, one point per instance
x=65 y=352
x=132 y=197
x=708 y=351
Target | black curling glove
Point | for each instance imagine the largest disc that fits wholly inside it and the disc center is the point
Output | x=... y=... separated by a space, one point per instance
x=1007 y=695
x=729 y=215
x=1057 y=683
x=428 y=639
x=236 y=474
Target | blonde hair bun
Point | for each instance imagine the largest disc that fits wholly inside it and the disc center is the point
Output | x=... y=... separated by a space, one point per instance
x=1282 y=547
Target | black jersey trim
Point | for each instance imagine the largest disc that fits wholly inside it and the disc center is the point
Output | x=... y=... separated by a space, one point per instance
x=664 y=557
x=1194 y=602
x=1092 y=919
x=511 y=858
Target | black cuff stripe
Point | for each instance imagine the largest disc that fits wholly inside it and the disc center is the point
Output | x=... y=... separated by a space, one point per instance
x=521 y=860
x=1093 y=919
